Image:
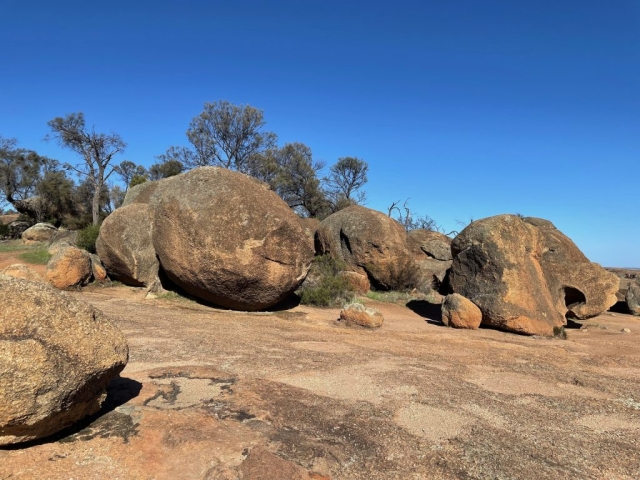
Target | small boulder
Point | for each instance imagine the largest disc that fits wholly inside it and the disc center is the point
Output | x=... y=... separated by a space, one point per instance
x=69 y=268
x=57 y=355
x=633 y=298
x=18 y=270
x=460 y=312
x=358 y=314
x=40 y=232
x=368 y=242
x=98 y=270
x=358 y=281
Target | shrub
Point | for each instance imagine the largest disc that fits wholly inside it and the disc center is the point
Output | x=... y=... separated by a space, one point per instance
x=87 y=238
x=325 y=287
x=4 y=230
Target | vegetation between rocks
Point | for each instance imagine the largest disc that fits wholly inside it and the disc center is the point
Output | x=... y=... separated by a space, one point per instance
x=325 y=286
x=87 y=238
x=38 y=256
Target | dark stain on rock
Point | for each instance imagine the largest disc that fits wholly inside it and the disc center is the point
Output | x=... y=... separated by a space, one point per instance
x=113 y=424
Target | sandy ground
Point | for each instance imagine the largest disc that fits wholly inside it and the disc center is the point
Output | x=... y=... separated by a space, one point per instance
x=213 y=394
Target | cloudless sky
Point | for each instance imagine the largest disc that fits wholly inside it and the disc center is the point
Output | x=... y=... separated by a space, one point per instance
x=469 y=108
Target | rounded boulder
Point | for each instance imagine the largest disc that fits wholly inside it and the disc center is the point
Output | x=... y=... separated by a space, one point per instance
x=225 y=238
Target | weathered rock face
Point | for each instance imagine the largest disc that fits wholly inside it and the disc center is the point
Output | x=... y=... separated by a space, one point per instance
x=366 y=240
x=140 y=193
x=97 y=270
x=633 y=298
x=226 y=238
x=433 y=244
x=358 y=314
x=18 y=270
x=57 y=356
x=310 y=226
x=70 y=267
x=460 y=312
x=526 y=276
x=125 y=245
x=40 y=232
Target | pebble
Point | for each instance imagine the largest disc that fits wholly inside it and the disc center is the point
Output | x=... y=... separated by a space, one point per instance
x=625 y=330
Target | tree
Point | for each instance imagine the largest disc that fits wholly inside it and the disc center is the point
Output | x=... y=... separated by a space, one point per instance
x=224 y=135
x=348 y=175
x=165 y=169
x=96 y=149
x=126 y=170
x=410 y=221
x=293 y=174
x=116 y=197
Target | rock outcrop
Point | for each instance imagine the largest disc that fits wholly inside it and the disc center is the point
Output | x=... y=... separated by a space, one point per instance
x=57 y=355
x=40 y=232
x=125 y=245
x=358 y=314
x=367 y=241
x=70 y=267
x=632 y=298
x=433 y=244
x=460 y=312
x=219 y=235
x=526 y=276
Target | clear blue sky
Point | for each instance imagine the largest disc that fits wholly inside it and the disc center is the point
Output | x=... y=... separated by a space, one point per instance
x=470 y=108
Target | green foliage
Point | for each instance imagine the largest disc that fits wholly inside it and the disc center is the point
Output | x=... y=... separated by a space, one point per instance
x=87 y=238
x=39 y=256
x=325 y=287
x=165 y=169
x=4 y=230
x=137 y=180
x=560 y=332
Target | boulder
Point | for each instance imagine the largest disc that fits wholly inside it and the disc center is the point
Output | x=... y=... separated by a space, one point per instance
x=633 y=298
x=432 y=273
x=69 y=268
x=125 y=245
x=526 y=276
x=358 y=314
x=460 y=312
x=358 y=281
x=225 y=238
x=18 y=270
x=97 y=270
x=367 y=241
x=40 y=232
x=435 y=245
x=310 y=225
x=16 y=228
x=57 y=355
x=140 y=193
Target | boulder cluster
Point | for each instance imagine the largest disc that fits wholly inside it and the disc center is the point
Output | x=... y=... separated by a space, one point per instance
x=220 y=236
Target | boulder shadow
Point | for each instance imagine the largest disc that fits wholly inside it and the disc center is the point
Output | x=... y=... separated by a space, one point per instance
x=432 y=312
x=119 y=391
x=620 y=307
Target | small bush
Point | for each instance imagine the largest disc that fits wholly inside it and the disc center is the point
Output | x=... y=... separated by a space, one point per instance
x=87 y=238
x=325 y=287
x=40 y=256
x=4 y=230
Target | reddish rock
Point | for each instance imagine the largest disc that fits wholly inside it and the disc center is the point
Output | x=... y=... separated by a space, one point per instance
x=358 y=281
x=460 y=312
x=358 y=314
x=69 y=268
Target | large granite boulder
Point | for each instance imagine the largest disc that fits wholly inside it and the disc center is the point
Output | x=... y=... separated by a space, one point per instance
x=368 y=242
x=125 y=245
x=526 y=276
x=225 y=238
x=70 y=267
x=57 y=355
x=632 y=298
x=40 y=232
x=140 y=193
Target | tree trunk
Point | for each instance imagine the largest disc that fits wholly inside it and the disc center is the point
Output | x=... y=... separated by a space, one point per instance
x=95 y=210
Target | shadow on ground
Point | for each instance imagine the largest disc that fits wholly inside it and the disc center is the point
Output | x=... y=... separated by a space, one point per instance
x=119 y=391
